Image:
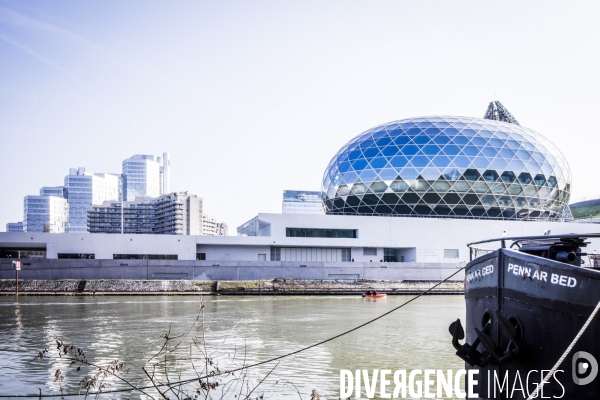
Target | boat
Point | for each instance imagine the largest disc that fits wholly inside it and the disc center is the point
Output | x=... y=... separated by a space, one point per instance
x=525 y=306
x=374 y=295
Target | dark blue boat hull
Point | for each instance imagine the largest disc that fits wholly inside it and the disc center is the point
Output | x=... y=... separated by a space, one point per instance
x=547 y=302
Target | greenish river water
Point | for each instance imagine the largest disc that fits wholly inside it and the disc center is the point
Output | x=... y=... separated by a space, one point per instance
x=237 y=330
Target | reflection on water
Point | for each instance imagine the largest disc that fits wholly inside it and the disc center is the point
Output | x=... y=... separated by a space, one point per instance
x=252 y=328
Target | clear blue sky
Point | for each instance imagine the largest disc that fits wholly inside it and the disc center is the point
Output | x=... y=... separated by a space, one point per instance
x=254 y=97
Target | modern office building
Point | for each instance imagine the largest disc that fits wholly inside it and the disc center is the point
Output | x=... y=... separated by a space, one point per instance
x=457 y=167
x=84 y=189
x=172 y=214
x=302 y=202
x=45 y=214
x=14 y=227
x=145 y=176
x=57 y=191
x=210 y=226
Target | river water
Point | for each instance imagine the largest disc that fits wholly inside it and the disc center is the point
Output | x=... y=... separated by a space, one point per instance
x=237 y=330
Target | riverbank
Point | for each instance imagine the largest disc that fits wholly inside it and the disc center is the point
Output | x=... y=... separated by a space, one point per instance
x=259 y=287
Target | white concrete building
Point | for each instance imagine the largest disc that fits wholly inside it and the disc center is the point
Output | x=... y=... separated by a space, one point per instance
x=306 y=238
x=165 y=170
x=178 y=213
x=210 y=226
x=222 y=229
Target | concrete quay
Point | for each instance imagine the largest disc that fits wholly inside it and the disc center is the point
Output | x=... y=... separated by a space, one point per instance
x=187 y=287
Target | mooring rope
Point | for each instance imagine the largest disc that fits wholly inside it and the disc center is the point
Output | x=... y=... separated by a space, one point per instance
x=566 y=353
x=174 y=383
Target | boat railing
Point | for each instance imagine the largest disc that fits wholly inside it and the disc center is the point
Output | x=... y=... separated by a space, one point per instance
x=518 y=241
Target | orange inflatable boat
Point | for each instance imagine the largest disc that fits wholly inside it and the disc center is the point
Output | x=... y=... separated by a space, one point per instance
x=373 y=295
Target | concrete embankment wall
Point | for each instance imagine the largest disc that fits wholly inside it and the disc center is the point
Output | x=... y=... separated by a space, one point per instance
x=189 y=287
x=53 y=269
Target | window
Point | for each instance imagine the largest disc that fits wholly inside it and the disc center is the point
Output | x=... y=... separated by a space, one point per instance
x=390 y=255
x=321 y=233
x=327 y=254
x=369 y=251
x=275 y=254
x=144 y=256
x=346 y=255
x=200 y=256
x=450 y=253
x=262 y=257
x=169 y=275
x=72 y=256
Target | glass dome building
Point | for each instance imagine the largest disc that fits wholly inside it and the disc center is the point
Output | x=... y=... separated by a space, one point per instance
x=458 y=167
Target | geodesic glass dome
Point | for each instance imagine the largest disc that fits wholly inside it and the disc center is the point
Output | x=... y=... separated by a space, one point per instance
x=449 y=167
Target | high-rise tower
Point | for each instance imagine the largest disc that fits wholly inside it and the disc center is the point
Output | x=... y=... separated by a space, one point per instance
x=142 y=176
x=84 y=188
x=166 y=173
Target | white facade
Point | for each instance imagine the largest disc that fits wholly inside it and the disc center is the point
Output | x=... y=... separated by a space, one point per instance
x=409 y=240
x=178 y=213
x=166 y=173
x=84 y=188
x=302 y=202
x=222 y=229
x=210 y=226
x=45 y=214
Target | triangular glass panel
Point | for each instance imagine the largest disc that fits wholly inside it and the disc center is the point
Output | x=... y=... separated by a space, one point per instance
x=368 y=175
x=388 y=174
x=384 y=141
x=409 y=173
x=430 y=173
x=366 y=144
x=390 y=151
x=451 y=132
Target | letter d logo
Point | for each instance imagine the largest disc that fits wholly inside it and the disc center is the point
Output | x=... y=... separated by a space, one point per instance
x=580 y=368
